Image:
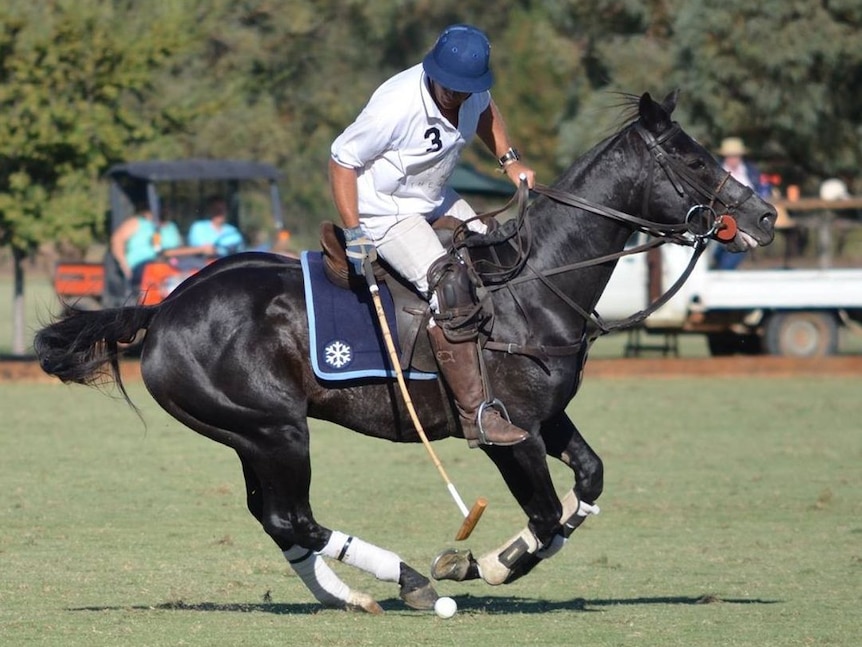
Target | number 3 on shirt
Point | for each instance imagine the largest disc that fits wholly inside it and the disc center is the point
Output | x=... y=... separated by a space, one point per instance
x=434 y=135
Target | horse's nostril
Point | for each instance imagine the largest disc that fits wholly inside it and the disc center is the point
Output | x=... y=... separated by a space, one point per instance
x=766 y=221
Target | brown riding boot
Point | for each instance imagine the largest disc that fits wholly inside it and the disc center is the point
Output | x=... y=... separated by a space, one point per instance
x=460 y=366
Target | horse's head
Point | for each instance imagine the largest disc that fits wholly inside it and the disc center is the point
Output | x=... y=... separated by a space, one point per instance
x=687 y=184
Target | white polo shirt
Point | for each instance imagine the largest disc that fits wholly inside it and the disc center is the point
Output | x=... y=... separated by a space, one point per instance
x=403 y=148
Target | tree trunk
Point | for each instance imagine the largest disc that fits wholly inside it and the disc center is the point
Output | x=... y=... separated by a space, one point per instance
x=18 y=346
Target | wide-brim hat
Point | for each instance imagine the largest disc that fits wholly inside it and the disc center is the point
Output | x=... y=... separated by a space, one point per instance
x=460 y=60
x=732 y=147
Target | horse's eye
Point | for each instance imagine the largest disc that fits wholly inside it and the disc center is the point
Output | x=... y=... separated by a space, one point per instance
x=696 y=163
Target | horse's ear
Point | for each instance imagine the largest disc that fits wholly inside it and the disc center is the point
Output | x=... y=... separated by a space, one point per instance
x=653 y=115
x=669 y=102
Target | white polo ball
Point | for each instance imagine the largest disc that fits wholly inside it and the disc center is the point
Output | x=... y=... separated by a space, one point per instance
x=445 y=607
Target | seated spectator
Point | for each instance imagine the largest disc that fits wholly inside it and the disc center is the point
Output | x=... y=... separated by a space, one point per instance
x=132 y=245
x=733 y=152
x=214 y=234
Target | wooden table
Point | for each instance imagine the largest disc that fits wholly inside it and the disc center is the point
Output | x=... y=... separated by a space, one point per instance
x=816 y=204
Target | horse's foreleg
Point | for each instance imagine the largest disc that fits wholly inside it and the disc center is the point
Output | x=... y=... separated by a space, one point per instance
x=515 y=557
x=525 y=470
x=520 y=554
x=564 y=442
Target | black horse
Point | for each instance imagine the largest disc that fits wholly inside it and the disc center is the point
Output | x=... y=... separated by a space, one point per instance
x=227 y=355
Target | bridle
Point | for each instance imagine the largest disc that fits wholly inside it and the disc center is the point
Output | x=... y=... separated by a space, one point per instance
x=701 y=222
x=699 y=226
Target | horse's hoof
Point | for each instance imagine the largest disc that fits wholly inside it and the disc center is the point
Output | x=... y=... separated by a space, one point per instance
x=363 y=602
x=422 y=598
x=451 y=564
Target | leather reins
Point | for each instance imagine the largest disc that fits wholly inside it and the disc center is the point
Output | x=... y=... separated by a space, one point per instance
x=688 y=233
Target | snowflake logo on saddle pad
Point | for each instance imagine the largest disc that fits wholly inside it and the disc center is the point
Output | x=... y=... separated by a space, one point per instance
x=338 y=354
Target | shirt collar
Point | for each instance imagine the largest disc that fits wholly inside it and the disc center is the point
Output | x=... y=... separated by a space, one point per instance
x=431 y=109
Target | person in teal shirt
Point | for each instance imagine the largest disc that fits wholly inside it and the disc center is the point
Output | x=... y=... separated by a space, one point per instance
x=215 y=233
x=132 y=245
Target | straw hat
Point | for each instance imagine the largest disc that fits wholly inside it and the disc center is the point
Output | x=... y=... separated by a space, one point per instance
x=732 y=147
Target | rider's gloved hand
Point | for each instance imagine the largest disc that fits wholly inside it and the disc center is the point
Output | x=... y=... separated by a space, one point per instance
x=358 y=247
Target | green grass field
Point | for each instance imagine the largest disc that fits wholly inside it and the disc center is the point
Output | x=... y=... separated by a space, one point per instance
x=732 y=515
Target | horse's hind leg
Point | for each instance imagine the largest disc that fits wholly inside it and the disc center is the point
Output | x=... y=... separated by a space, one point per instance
x=277 y=495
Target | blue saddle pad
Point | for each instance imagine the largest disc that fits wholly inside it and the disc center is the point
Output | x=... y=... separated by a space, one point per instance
x=345 y=338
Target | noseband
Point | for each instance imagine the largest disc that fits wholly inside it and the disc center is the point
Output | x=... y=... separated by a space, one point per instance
x=678 y=174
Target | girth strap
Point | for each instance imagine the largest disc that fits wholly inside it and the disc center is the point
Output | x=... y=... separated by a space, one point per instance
x=540 y=352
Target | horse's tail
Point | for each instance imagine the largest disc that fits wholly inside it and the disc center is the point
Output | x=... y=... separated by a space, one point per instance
x=83 y=346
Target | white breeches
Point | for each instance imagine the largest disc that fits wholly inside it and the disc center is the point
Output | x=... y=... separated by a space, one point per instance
x=409 y=244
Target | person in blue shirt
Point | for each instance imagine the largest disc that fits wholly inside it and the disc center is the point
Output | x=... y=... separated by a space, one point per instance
x=169 y=236
x=215 y=235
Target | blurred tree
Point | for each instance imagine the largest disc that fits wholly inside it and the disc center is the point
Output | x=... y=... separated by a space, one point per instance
x=89 y=82
x=784 y=76
x=624 y=49
x=72 y=79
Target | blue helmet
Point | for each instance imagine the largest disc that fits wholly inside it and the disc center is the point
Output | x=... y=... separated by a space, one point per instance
x=459 y=60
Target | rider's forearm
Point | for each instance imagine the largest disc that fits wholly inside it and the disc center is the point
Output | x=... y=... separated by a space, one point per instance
x=491 y=129
x=345 y=194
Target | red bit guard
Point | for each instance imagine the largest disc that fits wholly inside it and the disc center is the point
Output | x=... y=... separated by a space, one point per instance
x=727 y=228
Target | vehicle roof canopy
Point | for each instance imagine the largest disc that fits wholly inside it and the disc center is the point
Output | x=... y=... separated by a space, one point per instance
x=133 y=183
x=194 y=169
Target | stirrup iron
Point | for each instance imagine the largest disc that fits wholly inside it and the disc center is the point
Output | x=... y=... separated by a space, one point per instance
x=497 y=404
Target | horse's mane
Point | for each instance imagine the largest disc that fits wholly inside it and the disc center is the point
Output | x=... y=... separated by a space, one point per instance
x=627 y=103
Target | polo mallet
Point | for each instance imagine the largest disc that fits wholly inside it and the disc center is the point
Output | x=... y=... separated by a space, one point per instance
x=471 y=516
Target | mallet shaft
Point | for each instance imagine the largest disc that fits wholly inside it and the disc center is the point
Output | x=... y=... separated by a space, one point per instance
x=471 y=517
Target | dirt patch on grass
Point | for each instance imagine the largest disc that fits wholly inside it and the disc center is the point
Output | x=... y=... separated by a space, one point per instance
x=28 y=369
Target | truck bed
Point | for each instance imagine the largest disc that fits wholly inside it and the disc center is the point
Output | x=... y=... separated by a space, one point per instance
x=778 y=289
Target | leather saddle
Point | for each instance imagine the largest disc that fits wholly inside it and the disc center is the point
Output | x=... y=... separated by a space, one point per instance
x=412 y=312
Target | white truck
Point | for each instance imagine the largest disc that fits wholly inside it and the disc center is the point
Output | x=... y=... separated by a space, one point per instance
x=793 y=312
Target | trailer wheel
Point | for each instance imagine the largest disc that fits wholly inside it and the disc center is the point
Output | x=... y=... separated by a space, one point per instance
x=801 y=334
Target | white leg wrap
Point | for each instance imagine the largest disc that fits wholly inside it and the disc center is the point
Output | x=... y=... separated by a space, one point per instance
x=554 y=546
x=494 y=566
x=575 y=511
x=323 y=583
x=382 y=564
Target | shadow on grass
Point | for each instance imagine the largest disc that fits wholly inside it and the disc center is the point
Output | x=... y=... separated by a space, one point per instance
x=466 y=604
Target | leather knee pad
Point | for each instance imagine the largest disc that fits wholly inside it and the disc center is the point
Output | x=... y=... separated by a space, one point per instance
x=457 y=304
